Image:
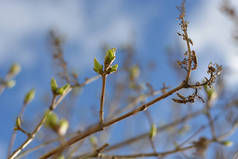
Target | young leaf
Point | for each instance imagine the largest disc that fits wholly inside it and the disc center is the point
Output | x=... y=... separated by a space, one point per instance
x=65 y=87
x=110 y=57
x=113 y=68
x=97 y=67
x=61 y=91
x=29 y=96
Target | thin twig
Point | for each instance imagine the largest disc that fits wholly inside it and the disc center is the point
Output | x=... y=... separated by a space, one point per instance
x=192 y=136
x=74 y=149
x=162 y=154
x=210 y=120
x=189 y=57
x=95 y=153
x=228 y=133
x=101 y=113
x=12 y=141
x=87 y=81
x=184 y=26
x=140 y=98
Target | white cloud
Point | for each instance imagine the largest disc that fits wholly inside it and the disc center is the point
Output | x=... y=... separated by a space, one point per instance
x=20 y=21
x=84 y=29
x=211 y=32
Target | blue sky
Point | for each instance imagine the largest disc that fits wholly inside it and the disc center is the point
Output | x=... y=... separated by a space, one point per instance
x=86 y=26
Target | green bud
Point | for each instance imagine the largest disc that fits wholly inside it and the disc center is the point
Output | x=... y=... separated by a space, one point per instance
x=56 y=90
x=10 y=84
x=110 y=57
x=18 y=122
x=97 y=67
x=227 y=143
x=93 y=140
x=211 y=94
x=134 y=72
x=153 y=130
x=29 y=96
x=51 y=120
x=53 y=85
x=63 y=127
x=15 y=69
x=61 y=157
x=66 y=87
x=209 y=91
